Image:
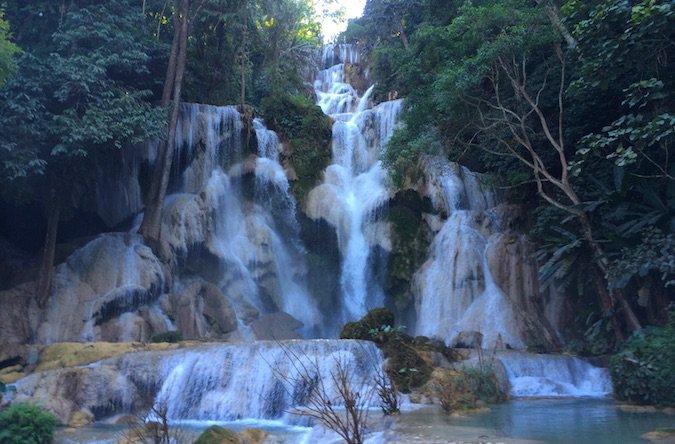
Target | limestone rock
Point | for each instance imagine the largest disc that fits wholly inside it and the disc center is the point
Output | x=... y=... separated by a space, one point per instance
x=81 y=418
x=276 y=326
x=200 y=310
x=468 y=339
x=112 y=275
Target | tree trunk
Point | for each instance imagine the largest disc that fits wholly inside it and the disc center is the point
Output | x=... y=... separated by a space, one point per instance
x=46 y=274
x=554 y=16
x=404 y=36
x=152 y=219
x=171 y=67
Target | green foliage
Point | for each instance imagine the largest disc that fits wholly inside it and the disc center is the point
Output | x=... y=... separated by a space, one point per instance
x=308 y=131
x=468 y=388
x=80 y=93
x=167 y=336
x=274 y=42
x=643 y=371
x=26 y=424
x=405 y=366
x=8 y=51
x=372 y=321
x=410 y=242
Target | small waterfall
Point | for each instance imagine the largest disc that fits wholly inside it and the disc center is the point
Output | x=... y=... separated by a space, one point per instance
x=231 y=382
x=455 y=288
x=353 y=190
x=206 y=137
x=554 y=376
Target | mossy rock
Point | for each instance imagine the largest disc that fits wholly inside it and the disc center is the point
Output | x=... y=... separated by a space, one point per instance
x=405 y=365
x=373 y=320
x=72 y=354
x=218 y=435
x=309 y=132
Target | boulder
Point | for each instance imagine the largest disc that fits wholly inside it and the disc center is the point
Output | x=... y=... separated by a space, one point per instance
x=468 y=339
x=112 y=275
x=276 y=326
x=201 y=310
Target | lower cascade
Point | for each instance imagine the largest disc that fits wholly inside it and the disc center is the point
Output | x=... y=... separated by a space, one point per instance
x=554 y=376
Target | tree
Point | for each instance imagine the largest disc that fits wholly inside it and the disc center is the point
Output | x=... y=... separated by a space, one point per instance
x=152 y=218
x=80 y=93
x=8 y=51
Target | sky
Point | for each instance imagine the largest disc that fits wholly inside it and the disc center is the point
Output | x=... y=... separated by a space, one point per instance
x=353 y=9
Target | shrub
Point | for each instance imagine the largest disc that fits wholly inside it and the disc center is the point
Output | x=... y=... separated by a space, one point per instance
x=643 y=371
x=26 y=424
x=167 y=336
x=308 y=130
x=374 y=320
x=467 y=388
x=405 y=366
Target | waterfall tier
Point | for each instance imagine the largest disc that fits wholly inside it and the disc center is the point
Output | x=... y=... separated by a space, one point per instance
x=261 y=380
x=554 y=376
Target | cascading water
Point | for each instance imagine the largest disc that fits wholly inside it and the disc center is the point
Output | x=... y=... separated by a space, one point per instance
x=263 y=380
x=353 y=190
x=455 y=288
x=554 y=376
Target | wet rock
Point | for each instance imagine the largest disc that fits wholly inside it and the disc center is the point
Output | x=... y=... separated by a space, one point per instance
x=81 y=418
x=662 y=435
x=276 y=326
x=112 y=275
x=468 y=339
x=200 y=310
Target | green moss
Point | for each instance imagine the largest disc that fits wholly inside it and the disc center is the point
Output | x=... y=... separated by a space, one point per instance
x=373 y=320
x=307 y=130
x=404 y=364
x=466 y=389
x=26 y=424
x=218 y=435
x=410 y=243
x=643 y=371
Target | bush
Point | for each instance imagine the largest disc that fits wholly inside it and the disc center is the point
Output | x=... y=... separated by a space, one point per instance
x=308 y=130
x=373 y=321
x=468 y=388
x=167 y=336
x=26 y=424
x=643 y=371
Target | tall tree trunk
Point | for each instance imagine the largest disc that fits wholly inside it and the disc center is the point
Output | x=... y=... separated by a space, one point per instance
x=46 y=273
x=171 y=67
x=152 y=218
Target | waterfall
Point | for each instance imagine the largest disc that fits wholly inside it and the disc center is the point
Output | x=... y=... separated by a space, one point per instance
x=554 y=376
x=353 y=191
x=455 y=289
x=261 y=380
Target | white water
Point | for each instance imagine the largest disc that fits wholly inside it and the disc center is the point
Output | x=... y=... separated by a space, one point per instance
x=354 y=189
x=554 y=376
x=262 y=380
x=455 y=288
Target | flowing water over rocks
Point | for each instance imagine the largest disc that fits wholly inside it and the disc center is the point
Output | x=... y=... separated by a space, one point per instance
x=236 y=270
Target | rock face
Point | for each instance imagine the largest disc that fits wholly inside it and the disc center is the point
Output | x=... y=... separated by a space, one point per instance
x=100 y=288
x=202 y=311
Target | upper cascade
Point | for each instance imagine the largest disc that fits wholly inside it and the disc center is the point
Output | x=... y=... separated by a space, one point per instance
x=354 y=187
